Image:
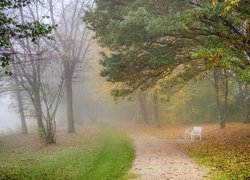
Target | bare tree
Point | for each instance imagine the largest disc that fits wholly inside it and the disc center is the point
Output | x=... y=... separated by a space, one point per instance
x=39 y=73
x=43 y=81
x=21 y=107
x=52 y=93
x=10 y=85
x=72 y=43
x=29 y=68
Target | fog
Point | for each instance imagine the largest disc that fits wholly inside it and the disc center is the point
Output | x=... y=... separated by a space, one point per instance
x=87 y=108
x=93 y=105
x=90 y=104
x=56 y=82
x=8 y=117
x=124 y=89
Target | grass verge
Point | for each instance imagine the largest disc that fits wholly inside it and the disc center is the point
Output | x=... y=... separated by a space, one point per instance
x=107 y=154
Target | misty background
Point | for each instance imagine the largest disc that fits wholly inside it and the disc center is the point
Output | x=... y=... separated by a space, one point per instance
x=57 y=80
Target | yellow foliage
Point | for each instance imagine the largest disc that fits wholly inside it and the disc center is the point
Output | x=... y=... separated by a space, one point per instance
x=213 y=2
x=100 y=88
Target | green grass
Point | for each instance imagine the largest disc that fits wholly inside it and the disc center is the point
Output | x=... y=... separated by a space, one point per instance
x=108 y=157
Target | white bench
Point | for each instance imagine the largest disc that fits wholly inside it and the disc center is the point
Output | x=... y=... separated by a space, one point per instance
x=193 y=132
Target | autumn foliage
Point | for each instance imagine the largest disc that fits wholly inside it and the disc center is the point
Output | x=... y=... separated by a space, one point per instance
x=225 y=151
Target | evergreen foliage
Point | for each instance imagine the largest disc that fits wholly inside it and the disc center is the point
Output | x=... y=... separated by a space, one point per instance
x=150 y=40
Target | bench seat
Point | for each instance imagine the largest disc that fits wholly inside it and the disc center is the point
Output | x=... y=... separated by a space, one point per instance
x=193 y=132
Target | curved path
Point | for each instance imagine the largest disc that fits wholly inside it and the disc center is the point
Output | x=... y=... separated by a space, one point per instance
x=158 y=159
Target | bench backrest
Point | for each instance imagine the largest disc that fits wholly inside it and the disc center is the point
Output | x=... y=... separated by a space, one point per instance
x=197 y=129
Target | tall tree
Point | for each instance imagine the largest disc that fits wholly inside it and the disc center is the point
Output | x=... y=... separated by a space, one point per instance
x=43 y=81
x=240 y=91
x=39 y=73
x=221 y=87
x=72 y=43
x=10 y=85
x=21 y=107
x=164 y=37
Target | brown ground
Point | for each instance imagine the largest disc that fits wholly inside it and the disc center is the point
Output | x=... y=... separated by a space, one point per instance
x=158 y=159
x=19 y=143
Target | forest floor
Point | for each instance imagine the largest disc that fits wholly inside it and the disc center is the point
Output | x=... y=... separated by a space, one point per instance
x=162 y=153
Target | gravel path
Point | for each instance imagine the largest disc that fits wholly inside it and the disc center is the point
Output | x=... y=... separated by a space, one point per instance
x=158 y=159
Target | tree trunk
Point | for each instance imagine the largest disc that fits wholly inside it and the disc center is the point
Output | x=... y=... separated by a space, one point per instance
x=155 y=109
x=217 y=90
x=140 y=107
x=243 y=99
x=39 y=114
x=137 y=113
x=144 y=107
x=221 y=88
x=69 y=92
x=142 y=100
x=247 y=104
x=21 y=112
x=225 y=108
x=247 y=111
x=51 y=127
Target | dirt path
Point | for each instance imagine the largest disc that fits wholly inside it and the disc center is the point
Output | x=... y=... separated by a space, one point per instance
x=158 y=159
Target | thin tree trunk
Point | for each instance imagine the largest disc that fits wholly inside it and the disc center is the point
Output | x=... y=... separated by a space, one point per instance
x=39 y=115
x=51 y=131
x=143 y=117
x=70 y=113
x=144 y=108
x=247 y=104
x=225 y=109
x=69 y=92
x=140 y=107
x=221 y=88
x=247 y=111
x=156 y=109
x=21 y=112
x=20 y=107
x=243 y=100
x=217 y=90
